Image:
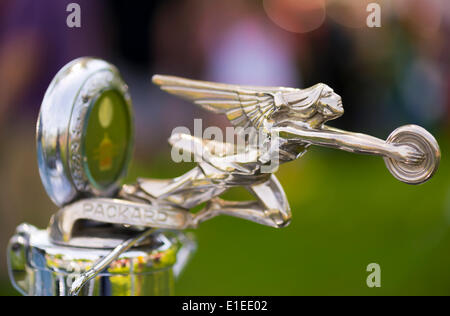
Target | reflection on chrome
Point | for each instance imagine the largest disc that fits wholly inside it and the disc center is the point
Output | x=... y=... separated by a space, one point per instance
x=114 y=239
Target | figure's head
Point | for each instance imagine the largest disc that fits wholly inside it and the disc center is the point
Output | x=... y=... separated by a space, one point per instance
x=319 y=100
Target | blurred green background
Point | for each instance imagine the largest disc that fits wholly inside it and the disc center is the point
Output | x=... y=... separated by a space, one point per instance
x=348 y=211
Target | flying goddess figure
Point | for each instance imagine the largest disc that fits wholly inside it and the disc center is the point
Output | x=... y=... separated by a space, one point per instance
x=297 y=117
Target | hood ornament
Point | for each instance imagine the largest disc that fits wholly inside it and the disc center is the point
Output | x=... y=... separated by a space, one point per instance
x=107 y=233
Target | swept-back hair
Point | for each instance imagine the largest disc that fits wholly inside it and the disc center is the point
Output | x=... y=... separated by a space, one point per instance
x=304 y=102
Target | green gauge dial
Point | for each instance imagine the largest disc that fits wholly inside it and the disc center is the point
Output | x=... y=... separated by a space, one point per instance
x=107 y=139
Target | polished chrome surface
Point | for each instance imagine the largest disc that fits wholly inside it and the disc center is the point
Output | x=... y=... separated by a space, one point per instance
x=88 y=251
x=62 y=121
x=63 y=228
x=424 y=142
x=270 y=208
x=39 y=267
x=127 y=240
x=106 y=261
x=298 y=117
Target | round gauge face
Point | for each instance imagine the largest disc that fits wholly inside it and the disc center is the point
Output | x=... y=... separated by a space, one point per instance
x=107 y=139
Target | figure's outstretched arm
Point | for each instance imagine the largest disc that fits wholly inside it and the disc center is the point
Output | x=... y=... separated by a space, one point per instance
x=352 y=142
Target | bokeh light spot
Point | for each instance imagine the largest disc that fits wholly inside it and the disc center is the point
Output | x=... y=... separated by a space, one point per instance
x=298 y=16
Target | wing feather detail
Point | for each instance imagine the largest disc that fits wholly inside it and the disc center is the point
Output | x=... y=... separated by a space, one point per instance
x=244 y=106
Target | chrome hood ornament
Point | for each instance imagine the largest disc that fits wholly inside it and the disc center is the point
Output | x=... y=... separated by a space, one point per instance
x=298 y=117
x=85 y=141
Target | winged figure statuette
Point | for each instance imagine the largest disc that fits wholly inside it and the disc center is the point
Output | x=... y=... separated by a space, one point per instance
x=298 y=118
